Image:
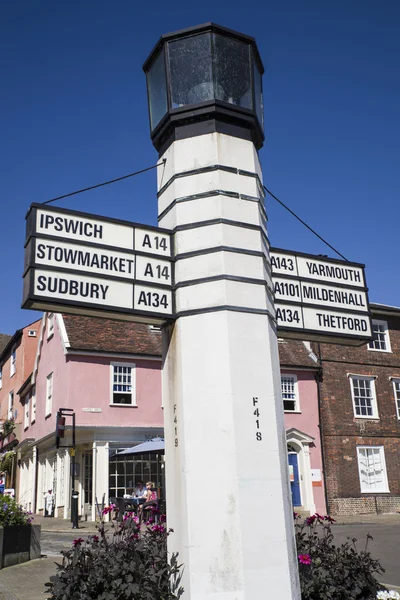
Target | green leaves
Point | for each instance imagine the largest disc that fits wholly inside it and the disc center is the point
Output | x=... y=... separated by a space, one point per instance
x=336 y=572
x=121 y=563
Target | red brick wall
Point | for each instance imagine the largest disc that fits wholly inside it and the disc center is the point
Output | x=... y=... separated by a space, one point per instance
x=342 y=432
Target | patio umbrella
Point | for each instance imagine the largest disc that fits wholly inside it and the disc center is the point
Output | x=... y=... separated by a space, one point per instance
x=155 y=446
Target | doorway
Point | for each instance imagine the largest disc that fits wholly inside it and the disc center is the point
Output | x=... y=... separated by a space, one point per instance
x=294 y=478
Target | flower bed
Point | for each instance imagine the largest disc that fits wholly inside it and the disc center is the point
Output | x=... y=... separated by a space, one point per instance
x=330 y=572
x=123 y=561
x=19 y=539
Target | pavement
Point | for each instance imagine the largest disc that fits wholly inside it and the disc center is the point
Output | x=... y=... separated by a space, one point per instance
x=26 y=581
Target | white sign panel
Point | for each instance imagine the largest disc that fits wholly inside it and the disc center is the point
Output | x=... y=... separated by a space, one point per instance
x=316 y=293
x=83 y=228
x=97 y=261
x=312 y=267
x=320 y=299
x=54 y=253
x=56 y=285
x=89 y=265
x=74 y=226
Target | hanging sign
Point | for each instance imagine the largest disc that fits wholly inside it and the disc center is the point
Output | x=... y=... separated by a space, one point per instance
x=321 y=299
x=90 y=265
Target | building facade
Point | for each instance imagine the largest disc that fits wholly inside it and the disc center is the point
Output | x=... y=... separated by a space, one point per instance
x=300 y=372
x=109 y=373
x=360 y=419
x=16 y=362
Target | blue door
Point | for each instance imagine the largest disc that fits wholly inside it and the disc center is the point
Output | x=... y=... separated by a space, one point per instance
x=294 y=479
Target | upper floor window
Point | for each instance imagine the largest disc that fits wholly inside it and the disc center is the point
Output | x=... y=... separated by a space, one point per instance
x=372 y=469
x=364 y=396
x=290 y=395
x=1 y=377
x=380 y=336
x=50 y=324
x=396 y=390
x=33 y=405
x=49 y=394
x=26 y=409
x=13 y=361
x=123 y=384
x=10 y=414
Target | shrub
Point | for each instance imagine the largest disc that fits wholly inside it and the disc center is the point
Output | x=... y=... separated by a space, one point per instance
x=12 y=513
x=124 y=561
x=329 y=572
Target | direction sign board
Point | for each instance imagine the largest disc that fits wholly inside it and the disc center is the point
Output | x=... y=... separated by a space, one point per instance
x=91 y=265
x=318 y=298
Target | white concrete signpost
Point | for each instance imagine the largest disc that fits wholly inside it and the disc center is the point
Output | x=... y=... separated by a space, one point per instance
x=320 y=298
x=90 y=265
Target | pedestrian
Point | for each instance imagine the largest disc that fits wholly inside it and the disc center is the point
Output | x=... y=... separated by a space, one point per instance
x=48 y=504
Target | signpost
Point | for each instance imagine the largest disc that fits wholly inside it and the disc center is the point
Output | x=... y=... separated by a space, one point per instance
x=90 y=265
x=321 y=299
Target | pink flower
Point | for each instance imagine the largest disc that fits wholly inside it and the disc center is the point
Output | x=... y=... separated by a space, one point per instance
x=158 y=528
x=108 y=509
x=310 y=520
x=305 y=559
x=95 y=538
x=329 y=519
x=78 y=542
x=295 y=515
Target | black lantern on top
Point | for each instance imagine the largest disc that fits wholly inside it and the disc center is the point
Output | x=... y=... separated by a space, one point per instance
x=203 y=79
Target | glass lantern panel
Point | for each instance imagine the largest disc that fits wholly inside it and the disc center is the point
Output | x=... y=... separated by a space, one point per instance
x=157 y=90
x=258 y=94
x=191 y=70
x=232 y=71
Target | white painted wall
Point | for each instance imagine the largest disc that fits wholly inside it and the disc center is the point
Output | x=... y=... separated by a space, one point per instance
x=222 y=481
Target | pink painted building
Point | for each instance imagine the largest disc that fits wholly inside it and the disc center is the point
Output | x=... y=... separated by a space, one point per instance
x=109 y=373
x=300 y=374
x=17 y=355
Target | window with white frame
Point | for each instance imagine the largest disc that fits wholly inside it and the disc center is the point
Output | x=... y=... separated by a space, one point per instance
x=10 y=405
x=49 y=394
x=290 y=395
x=123 y=384
x=364 y=396
x=33 y=405
x=372 y=469
x=380 y=336
x=1 y=377
x=13 y=361
x=26 y=409
x=50 y=324
x=396 y=390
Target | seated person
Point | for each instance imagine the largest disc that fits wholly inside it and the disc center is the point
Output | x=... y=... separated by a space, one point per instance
x=151 y=497
x=140 y=490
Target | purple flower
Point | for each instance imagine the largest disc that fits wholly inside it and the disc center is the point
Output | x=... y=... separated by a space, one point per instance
x=158 y=528
x=310 y=520
x=304 y=559
x=77 y=542
x=95 y=538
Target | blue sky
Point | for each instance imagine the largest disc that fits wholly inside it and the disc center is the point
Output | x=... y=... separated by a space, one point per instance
x=73 y=112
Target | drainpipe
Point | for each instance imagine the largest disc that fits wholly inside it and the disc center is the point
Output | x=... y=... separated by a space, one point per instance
x=319 y=379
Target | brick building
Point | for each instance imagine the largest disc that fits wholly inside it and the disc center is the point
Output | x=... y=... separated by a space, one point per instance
x=17 y=355
x=360 y=419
